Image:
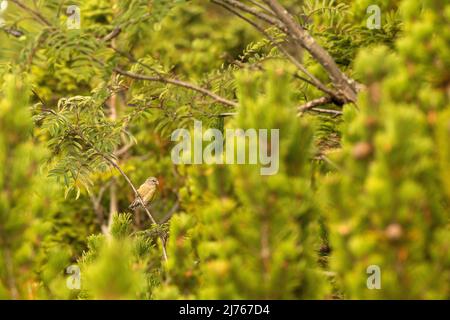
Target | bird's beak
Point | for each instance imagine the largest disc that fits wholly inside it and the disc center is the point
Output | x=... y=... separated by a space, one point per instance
x=157 y=182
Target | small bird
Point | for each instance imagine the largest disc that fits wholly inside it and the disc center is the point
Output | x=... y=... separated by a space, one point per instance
x=147 y=192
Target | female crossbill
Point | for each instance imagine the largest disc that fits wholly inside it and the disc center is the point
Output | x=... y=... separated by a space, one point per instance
x=147 y=191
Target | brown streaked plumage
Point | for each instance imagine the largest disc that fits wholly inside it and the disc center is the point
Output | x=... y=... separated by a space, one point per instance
x=147 y=192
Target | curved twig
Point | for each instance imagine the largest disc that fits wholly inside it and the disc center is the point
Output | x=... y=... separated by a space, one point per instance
x=39 y=17
x=179 y=83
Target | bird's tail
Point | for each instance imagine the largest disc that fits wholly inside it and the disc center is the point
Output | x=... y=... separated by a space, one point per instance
x=134 y=205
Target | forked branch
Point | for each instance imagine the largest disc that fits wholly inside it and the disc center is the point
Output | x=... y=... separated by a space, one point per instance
x=303 y=38
x=345 y=89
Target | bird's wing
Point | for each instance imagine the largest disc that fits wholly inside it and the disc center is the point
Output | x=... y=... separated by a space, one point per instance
x=150 y=194
x=143 y=190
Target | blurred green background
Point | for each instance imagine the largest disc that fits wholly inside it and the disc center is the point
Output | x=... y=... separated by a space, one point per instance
x=367 y=186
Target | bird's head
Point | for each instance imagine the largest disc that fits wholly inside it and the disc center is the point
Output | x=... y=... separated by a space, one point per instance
x=152 y=181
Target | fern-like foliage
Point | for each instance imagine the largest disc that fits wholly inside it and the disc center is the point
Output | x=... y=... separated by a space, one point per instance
x=80 y=136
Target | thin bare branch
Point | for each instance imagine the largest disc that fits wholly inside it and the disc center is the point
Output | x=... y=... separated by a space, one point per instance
x=113 y=34
x=171 y=212
x=328 y=111
x=314 y=103
x=178 y=83
x=13 y=32
x=38 y=16
x=96 y=204
x=260 y=15
x=261 y=6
